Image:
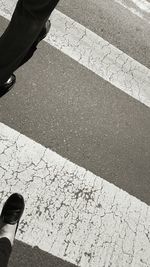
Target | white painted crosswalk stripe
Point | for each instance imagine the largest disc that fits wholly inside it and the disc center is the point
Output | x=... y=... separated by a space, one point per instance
x=70 y=212
x=98 y=55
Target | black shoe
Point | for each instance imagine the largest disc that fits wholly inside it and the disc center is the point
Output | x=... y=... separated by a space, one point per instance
x=5 y=87
x=13 y=209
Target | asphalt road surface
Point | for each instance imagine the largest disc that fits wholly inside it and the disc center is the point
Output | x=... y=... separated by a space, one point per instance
x=75 y=138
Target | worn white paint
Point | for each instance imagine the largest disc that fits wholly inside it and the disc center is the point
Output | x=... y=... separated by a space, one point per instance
x=96 y=54
x=70 y=212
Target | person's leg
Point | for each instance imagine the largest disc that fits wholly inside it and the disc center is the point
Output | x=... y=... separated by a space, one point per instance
x=34 y=45
x=5 y=251
x=7 y=235
x=27 y=22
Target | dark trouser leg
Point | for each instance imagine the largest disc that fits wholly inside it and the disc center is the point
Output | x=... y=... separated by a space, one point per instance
x=27 y=21
x=5 y=251
x=29 y=54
